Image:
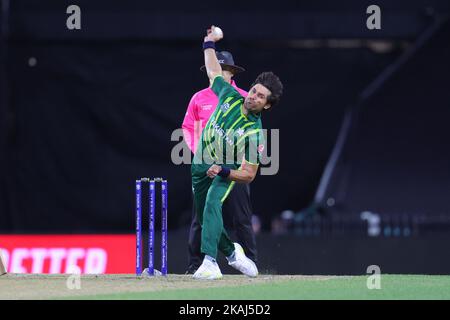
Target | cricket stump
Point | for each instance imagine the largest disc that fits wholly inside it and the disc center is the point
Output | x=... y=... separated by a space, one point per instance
x=2 y=265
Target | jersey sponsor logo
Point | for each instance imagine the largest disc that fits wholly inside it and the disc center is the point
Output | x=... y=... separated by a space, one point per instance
x=225 y=106
x=206 y=107
x=221 y=133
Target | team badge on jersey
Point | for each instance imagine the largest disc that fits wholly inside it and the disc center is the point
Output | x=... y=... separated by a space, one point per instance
x=260 y=148
x=225 y=106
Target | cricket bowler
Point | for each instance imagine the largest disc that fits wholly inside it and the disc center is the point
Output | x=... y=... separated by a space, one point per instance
x=228 y=152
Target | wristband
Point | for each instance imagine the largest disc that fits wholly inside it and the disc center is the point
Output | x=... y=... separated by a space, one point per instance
x=209 y=45
x=225 y=172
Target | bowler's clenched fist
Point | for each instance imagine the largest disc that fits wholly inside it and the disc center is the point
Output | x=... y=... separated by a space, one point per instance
x=213 y=171
x=213 y=36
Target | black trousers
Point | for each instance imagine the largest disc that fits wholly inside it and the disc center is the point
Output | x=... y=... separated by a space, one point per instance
x=237 y=210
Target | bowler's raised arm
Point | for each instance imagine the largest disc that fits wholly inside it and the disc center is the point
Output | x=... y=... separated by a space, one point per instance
x=213 y=68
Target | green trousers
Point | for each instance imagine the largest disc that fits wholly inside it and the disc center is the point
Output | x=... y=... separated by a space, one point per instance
x=209 y=194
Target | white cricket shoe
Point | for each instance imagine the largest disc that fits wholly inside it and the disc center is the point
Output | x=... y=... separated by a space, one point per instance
x=242 y=263
x=209 y=270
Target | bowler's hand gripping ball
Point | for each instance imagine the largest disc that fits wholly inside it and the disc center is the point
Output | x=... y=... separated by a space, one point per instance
x=217 y=32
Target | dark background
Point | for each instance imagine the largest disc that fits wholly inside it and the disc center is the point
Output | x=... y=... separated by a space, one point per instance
x=94 y=108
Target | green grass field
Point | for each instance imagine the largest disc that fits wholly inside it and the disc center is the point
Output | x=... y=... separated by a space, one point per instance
x=231 y=287
x=392 y=287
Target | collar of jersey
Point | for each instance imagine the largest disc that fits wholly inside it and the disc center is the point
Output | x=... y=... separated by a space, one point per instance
x=251 y=116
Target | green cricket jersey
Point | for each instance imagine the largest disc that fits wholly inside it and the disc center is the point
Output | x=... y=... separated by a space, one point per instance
x=229 y=136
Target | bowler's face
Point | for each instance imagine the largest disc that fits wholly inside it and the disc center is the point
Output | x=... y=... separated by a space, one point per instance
x=256 y=99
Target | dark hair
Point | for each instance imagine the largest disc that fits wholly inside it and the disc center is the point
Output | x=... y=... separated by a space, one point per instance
x=273 y=83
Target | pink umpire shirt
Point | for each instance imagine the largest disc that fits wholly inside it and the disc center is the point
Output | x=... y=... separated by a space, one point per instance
x=199 y=110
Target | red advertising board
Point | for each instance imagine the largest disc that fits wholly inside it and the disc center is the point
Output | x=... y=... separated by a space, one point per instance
x=52 y=254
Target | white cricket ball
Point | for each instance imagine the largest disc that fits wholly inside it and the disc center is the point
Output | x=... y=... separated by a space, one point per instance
x=218 y=32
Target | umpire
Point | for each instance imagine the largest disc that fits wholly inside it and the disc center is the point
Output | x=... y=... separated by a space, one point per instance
x=237 y=207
